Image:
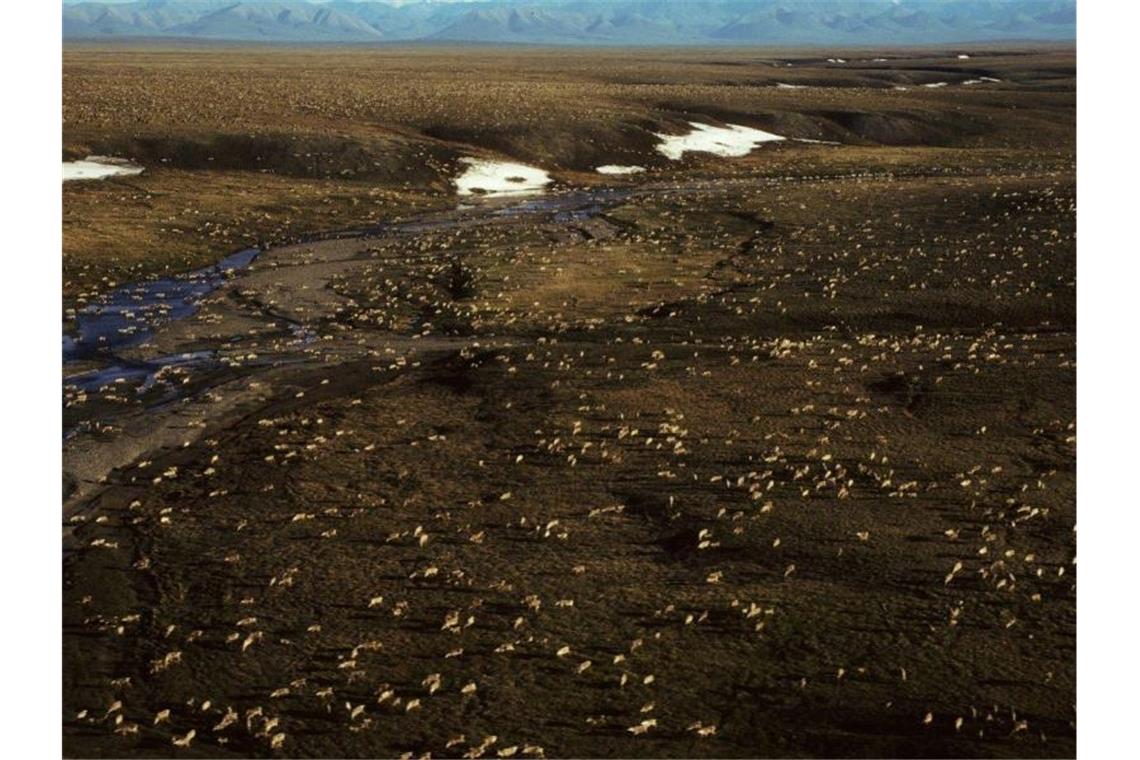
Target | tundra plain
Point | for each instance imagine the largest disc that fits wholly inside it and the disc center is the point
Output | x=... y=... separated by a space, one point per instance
x=765 y=455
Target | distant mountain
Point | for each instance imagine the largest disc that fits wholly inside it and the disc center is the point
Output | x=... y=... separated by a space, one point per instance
x=286 y=21
x=580 y=22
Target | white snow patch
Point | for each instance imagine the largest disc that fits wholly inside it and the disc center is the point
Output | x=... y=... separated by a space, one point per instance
x=837 y=60
x=732 y=140
x=972 y=81
x=783 y=86
x=989 y=79
x=487 y=177
x=616 y=169
x=963 y=57
x=98 y=167
x=936 y=84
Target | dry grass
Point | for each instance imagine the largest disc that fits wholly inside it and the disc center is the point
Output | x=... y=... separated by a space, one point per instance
x=263 y=143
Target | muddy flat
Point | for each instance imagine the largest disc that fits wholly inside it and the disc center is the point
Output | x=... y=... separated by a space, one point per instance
x=750 y=455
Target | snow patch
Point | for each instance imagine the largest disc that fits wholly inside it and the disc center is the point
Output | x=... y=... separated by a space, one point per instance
x=616 y=169
x=731 y=140
x=487 y=177
x=98 y=167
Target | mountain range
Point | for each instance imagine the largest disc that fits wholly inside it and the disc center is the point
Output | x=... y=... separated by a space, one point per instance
x=580 y=22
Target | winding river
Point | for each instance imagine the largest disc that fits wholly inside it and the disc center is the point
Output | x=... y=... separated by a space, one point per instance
x=128 y=316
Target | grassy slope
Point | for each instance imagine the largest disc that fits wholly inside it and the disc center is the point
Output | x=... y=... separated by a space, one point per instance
x=245 y=145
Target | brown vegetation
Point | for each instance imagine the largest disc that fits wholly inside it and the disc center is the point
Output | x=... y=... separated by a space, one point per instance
x=767 y=456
